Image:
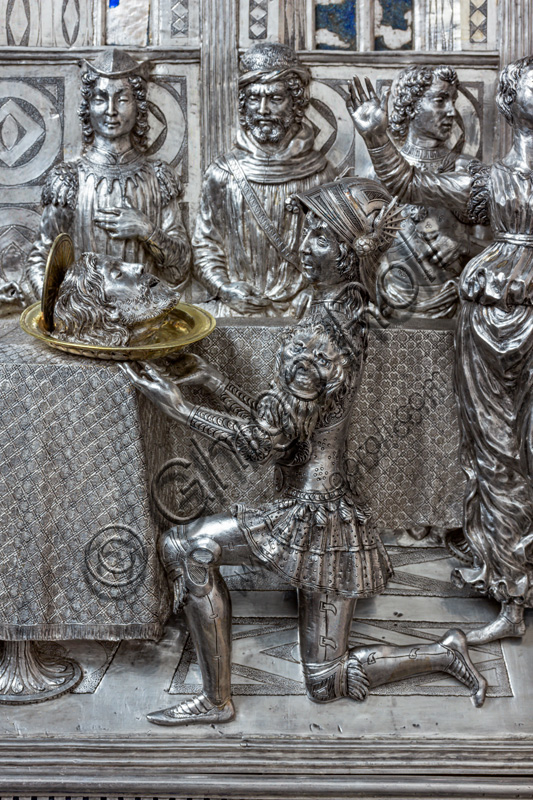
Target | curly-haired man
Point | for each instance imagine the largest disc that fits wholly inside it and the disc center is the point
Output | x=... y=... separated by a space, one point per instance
x=436 y=244
x=113 y=199
x=245 y=239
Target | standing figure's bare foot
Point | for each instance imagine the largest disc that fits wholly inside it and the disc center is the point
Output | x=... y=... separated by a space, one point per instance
x=509 y=622
x=461 y=667
x=198 y=709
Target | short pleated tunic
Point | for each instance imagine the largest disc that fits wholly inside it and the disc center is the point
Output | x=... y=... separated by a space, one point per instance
x=322 y=544
x=317 y=535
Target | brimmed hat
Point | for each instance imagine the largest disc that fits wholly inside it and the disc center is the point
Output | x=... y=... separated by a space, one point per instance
x=116 y=63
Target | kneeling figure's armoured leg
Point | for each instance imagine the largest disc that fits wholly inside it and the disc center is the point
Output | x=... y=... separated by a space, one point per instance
x=191 y=555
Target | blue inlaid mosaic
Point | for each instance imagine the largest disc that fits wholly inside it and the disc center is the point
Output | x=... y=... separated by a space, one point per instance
x=335 y=25
x=393 y=25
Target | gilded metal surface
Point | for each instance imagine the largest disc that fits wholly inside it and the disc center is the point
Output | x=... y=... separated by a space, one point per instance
x=186 y=324
x=60 y=258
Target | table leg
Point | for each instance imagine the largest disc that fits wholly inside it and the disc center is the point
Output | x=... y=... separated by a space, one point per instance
x=30 y=675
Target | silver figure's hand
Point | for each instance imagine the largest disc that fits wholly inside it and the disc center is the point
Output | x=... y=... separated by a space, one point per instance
x=242 y=297
x=302 y=303
x=158 y=388
x=192 y=370
x=368 y=112
x=442 y=251
x=124 y=223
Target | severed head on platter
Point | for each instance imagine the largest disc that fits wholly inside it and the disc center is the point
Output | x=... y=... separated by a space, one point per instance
x=102 y=307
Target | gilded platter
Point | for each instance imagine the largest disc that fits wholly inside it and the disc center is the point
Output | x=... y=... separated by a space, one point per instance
x=185 y=324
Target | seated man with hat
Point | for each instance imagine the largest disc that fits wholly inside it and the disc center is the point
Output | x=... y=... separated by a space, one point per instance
x=246 y=240
x=114 y=200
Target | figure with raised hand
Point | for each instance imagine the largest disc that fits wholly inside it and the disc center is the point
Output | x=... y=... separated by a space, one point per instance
x=246 y=239
x=113 y=199
x=494 y=343
x=315 y=533
x=434 y=244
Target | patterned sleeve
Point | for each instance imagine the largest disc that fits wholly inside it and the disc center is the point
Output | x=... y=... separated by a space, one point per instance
x=413 y=185
x=59 y=198
x=169 y=183
x=61 y=186
x=235 y=399
x=478 y=208
x=246 y=438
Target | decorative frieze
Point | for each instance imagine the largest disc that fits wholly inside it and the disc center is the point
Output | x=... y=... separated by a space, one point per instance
x=47 y=23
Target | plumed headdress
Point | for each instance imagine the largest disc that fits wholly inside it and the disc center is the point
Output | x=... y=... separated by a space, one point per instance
x=360 y=211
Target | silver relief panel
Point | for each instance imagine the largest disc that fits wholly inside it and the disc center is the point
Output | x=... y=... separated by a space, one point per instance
x=48 y=23
x=403 y=446
x=39 y=128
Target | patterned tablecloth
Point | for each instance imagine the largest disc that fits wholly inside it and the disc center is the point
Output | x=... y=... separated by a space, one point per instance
x=82 y=453
x=77 y=549
x=404 y=438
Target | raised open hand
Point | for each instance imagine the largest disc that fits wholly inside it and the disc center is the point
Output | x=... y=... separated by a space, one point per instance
x=368 y=111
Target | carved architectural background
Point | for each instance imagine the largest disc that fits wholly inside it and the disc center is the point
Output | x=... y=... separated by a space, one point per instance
x=47 y=23
x=193 y=101
x=194 y=46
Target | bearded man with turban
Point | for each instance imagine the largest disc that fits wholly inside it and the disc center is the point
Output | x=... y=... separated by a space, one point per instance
x=245 y=242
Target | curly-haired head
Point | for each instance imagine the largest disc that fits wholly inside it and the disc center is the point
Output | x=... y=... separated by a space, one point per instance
x=83 y=311
x=408 y=89
x=312 y=373
x=103 y=300
x=508 y=84
x=139 y=134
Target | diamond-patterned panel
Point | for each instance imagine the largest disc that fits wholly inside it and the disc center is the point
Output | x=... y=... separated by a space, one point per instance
x=70 y=20
x=18 y=132
x=404 y=438
x=18 y=20
x=179 y=25
x=258 y=19
x=478 y=21
x=77 y=556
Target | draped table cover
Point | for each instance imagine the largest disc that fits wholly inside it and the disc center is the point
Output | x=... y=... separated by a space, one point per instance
x=83 y=455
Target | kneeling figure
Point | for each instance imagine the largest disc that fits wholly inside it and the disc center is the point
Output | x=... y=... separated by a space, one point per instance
x=315 y=533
